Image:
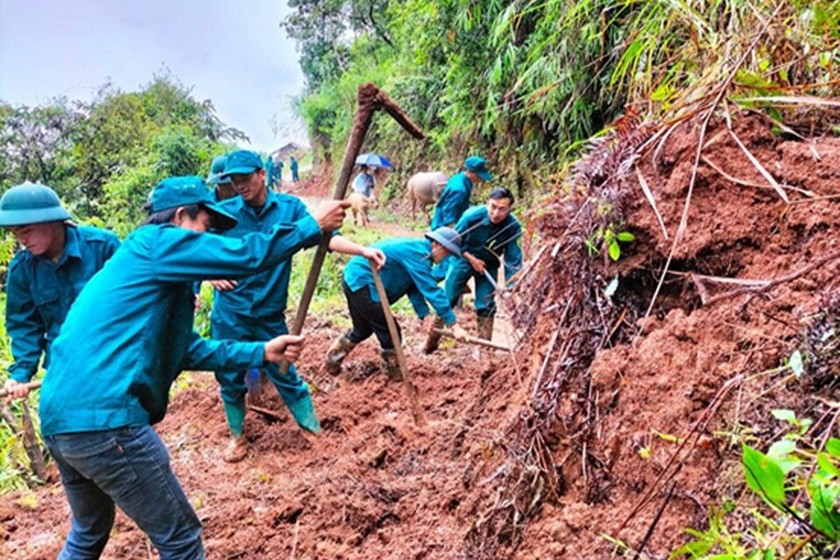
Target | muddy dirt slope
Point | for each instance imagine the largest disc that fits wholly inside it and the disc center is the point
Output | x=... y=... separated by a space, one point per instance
x=372 y=485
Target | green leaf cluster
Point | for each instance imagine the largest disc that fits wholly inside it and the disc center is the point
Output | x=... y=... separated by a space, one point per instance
x=103 y=156
x=799 y=482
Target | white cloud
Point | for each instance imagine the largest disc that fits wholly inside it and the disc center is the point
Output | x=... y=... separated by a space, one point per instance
x=233 y=53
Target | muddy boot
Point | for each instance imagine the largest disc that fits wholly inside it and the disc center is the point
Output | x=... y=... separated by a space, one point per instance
x=433 y=338
x=391 y=365
x=236 y=450
x=485 y=327
x=336 y=354
x=303 y=411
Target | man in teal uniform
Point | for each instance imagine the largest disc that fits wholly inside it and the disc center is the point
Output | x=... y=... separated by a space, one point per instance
x=407 y=271
x=293 y=166
x=223 y=186
x=455 y=197
x=254 y=307
x=125 y=340
x=273 y=173
x=490 y=234
x=45 y=277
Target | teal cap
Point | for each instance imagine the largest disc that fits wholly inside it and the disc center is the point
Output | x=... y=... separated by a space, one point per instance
x=448 y=237
x=242 y=162
x=181 y=191
x=31 y=203
x=478 y=166
x=217 y=168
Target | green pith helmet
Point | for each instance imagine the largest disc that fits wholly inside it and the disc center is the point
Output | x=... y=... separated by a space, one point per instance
x=31 y=203
x=216 y=170
x=448 y=237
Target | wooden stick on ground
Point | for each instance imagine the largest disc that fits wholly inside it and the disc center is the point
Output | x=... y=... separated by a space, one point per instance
x=26 y=431
x=410 y=388
x=475 y=340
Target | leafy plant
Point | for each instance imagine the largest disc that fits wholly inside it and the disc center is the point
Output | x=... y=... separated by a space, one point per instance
x=608 y=239
x=799 y=482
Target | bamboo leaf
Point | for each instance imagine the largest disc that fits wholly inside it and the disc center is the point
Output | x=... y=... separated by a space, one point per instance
x=827 y=467
x=833 y=447
x=614 y=250
x=795 y=363
x=757 y=164
x=784 y=414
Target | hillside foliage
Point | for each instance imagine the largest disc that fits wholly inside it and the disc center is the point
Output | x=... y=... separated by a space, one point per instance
x=103 y=156
x=525 y=82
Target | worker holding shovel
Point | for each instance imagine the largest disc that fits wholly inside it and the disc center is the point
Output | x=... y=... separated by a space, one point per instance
x=45 y=277
x=126 y=338
x=490 y=235
x=407 y=271
x=254 y=307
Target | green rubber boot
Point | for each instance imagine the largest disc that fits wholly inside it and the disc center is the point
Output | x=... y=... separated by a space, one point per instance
x=304 y=414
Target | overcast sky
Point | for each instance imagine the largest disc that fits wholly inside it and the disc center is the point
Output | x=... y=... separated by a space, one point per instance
x=230 y=51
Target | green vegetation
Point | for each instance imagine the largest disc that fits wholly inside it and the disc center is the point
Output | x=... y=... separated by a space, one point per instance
x=527 y=82
x=799 y=481
x=329 y=302
x=102 y=157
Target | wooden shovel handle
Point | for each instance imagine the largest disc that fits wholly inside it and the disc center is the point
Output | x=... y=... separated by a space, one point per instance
x=410 y=388
x=31 y=385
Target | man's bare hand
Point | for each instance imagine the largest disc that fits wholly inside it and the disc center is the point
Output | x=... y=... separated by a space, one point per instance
x=375 y=256
x=15 y=390
x=459 y=333
x=330 y=214
x=476 y=263
x=224 y=285
x=284 y=347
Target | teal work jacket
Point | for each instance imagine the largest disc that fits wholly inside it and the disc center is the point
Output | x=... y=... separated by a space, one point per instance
x=453 y=201
x=407 y=271
x=487 y=241
x=39 y=293
x=263 y=295
x=129 y=334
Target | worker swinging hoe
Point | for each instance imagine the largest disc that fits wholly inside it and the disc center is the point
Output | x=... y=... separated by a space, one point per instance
x=370 y=100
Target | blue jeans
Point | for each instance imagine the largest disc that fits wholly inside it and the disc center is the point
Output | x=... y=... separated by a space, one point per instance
x=128 y=467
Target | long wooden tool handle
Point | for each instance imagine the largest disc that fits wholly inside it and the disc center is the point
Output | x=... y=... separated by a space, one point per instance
x=370 y=99
x=410 y=388
x=31 y=385
x=474 y=340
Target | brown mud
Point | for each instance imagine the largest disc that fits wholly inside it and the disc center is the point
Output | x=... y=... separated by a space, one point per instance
x=372 y=485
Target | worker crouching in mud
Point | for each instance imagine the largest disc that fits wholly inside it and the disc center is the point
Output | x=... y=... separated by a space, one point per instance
x=490 y=236
x=407 y=271
x=126 y=338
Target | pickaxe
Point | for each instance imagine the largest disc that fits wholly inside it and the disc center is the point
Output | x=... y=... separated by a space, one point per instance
x=370 y=100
